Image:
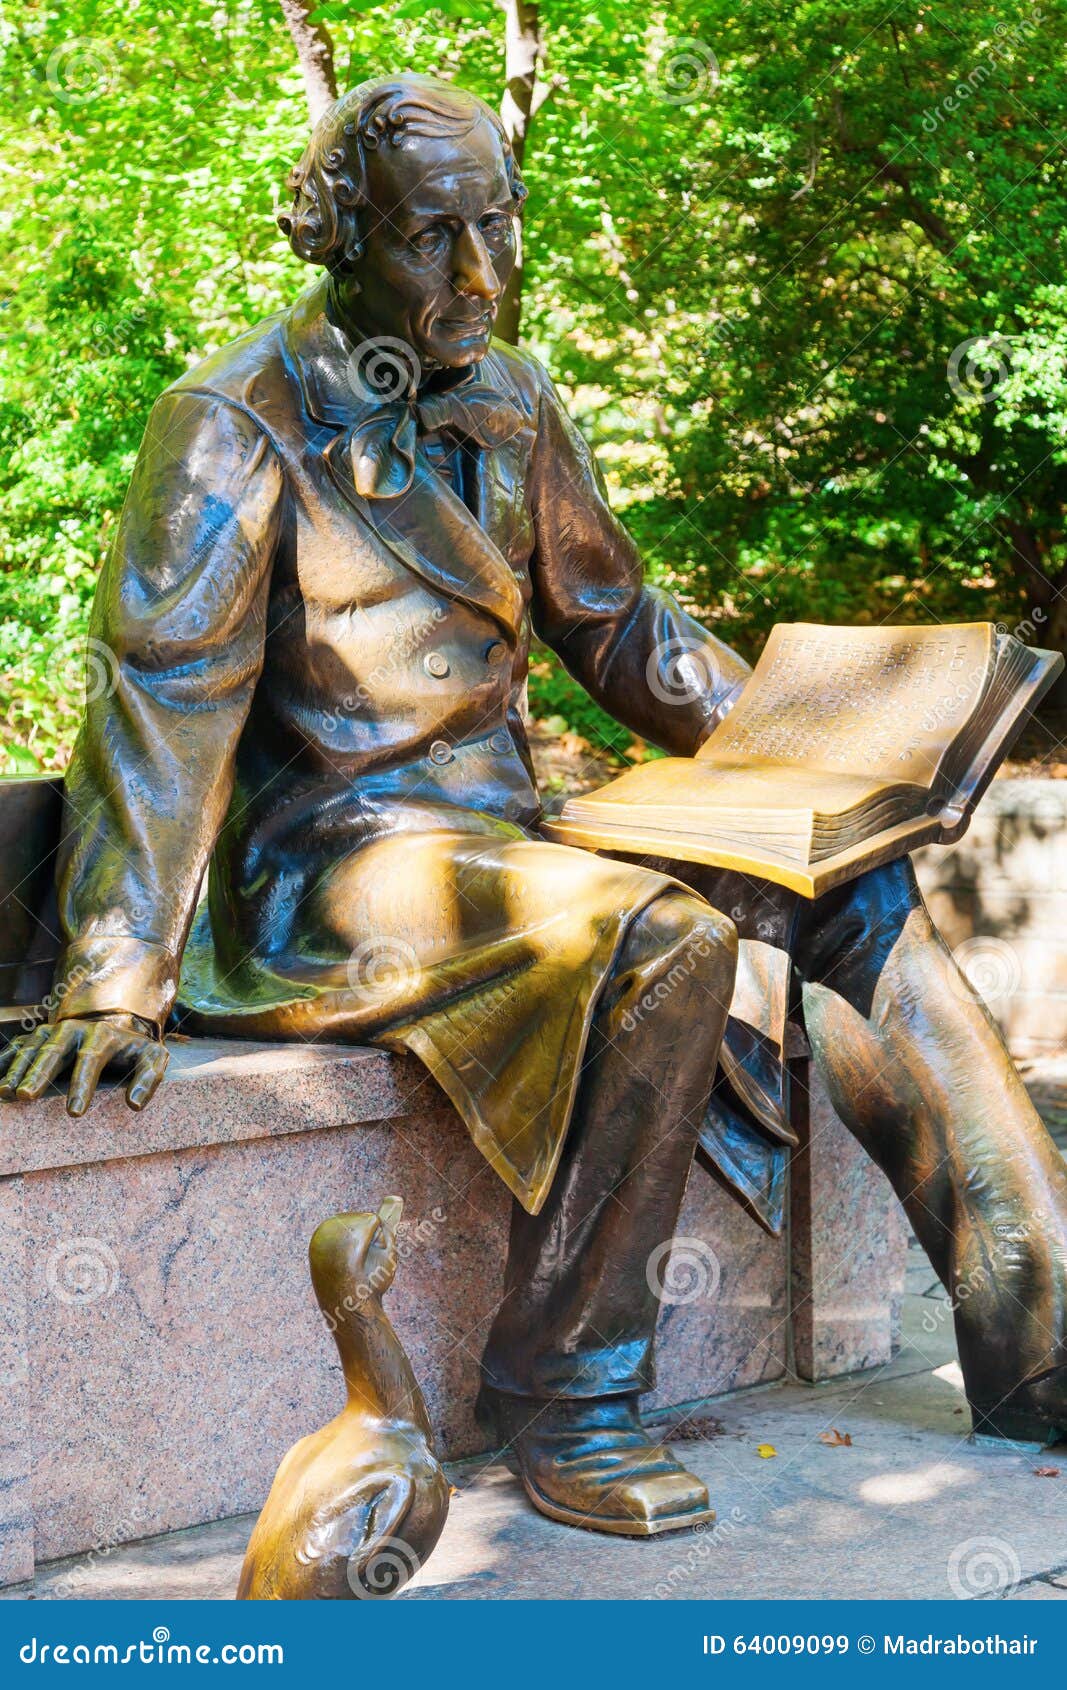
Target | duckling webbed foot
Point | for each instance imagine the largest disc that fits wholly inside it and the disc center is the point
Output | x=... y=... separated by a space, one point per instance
x=589 y=1462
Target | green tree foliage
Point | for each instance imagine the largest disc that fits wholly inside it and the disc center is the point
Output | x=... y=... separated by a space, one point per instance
x=799 y=266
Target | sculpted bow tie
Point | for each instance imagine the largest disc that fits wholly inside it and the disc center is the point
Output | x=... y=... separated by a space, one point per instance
x=381 y=445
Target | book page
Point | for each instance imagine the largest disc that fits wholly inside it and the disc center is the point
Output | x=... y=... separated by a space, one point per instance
x=882 y=702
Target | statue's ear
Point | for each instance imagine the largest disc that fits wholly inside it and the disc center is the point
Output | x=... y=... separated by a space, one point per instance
x=389 y=1212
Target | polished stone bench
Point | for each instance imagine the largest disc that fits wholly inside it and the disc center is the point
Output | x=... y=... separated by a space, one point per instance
x=159 y=1344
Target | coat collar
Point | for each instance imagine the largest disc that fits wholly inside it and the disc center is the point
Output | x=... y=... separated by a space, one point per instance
x=320 y=352
x=428 y=527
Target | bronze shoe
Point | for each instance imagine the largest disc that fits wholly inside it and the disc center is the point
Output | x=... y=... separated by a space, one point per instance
x=1035 y=1413
x=589 y=1462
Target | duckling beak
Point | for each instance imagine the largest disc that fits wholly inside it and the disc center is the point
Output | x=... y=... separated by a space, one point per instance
x=389 y=1212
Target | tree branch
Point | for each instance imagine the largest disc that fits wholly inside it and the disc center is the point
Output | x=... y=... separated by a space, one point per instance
x=314 y=52
x=522 y=59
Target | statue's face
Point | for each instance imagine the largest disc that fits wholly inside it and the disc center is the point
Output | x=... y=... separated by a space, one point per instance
x=439 y=247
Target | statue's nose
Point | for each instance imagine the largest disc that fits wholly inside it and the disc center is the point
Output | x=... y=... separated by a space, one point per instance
x=473 y=273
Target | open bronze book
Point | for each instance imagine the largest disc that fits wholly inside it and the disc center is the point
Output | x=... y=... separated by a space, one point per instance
x=846 y=748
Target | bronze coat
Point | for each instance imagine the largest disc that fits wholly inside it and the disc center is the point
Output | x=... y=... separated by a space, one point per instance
x=320 y=694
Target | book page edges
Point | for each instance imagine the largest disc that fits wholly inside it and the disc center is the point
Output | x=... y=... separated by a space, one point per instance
x=811 y=881
x=1047 y=668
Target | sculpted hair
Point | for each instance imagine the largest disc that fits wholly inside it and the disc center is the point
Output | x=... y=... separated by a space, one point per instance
x=329 y=185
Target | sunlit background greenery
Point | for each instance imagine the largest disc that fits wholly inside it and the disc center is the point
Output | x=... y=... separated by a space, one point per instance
x=798 y=267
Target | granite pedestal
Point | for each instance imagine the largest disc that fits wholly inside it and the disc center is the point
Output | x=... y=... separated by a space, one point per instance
x=159 y=1343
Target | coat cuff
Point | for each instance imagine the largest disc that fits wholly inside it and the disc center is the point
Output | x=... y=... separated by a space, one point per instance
x=104 y=974
x=721 y=711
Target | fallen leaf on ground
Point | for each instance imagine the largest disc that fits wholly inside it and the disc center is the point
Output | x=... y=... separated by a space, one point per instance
x=836 y=1439
x=766 y=1450
x=1046 y=1472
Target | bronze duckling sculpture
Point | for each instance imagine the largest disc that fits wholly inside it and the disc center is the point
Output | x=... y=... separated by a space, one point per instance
x=357 y=1507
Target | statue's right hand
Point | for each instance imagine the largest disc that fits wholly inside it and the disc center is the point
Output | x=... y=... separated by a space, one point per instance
x=86 y=1046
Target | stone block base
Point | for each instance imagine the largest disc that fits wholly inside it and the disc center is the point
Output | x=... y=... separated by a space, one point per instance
x=160 y=1347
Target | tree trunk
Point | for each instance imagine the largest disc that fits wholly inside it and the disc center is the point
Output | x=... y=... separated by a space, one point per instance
x=314 y=51
x=522 y=96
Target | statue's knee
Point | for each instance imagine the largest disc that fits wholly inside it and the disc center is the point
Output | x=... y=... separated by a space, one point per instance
x=684 y=928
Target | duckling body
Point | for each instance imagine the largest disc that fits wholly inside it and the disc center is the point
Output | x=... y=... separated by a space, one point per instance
x=356 y=1507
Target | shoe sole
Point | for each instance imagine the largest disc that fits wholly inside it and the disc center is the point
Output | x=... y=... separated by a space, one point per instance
x=617 y=1526
x=1025 y=1431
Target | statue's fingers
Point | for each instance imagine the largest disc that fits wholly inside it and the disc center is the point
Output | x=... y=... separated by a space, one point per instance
x=53 y=1054
x=24 y=1056
x=96 y=1052
x=14 y=1049
x=151 y=1066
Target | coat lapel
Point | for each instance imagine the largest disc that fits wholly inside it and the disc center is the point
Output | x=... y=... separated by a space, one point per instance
x=428 y=528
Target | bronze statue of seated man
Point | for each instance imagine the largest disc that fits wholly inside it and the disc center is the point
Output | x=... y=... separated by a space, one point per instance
x=339 y=534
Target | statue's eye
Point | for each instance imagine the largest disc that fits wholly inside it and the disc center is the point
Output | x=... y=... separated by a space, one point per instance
x=496 y=227
x=428 y=239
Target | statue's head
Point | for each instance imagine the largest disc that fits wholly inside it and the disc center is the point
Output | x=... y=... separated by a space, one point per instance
x=407 y=194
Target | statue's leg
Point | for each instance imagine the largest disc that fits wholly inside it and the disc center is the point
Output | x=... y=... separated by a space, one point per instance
x=571 y=1346
x=917 y=1070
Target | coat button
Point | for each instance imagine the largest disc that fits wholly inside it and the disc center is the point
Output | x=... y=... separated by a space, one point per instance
x=500 y=742
x=497 y=652
x=441 y=752
x=435 y=663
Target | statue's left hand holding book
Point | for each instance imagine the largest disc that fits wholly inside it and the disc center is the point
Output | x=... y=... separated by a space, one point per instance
x=847 y=747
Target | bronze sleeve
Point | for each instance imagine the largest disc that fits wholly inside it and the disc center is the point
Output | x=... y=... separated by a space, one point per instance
x=648 y=663
x=176 y=648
